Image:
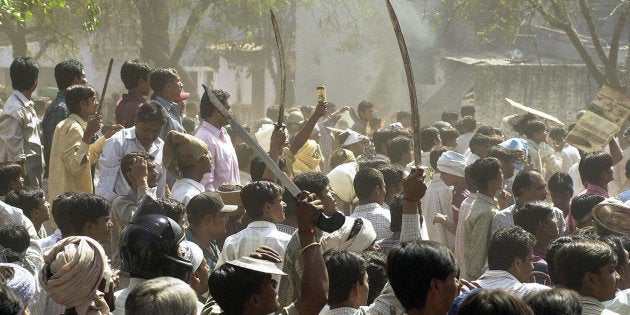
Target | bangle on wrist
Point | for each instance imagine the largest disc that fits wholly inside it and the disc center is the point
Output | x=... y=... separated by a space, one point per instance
x=307 y=247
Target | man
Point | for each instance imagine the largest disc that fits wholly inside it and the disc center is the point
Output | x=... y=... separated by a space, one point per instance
x=73 y=152
x=188 y=157
x=541 y=157
x=588 y=267
x=89 y=215
x=139 y=172
x=143 y=137
x=510 y=255
x=582 y=209
x=224 y=161
x=467 y=125
x=539 y=220
x=382 y=136
x=135 y=76
x=67 y=73
x=429 y=138
x=561 y=190
x=263 y=203
x=487 y=175
x=569 y=154
x=528 y=186
x=452 y=166
x=19 y=141
x=207 y=216
x=348 y=285
x=480 y=145
x=399 y=152
x=366 y=113
x=369 y=187
x=596 y=172
x=167 y=86
x=438 y=201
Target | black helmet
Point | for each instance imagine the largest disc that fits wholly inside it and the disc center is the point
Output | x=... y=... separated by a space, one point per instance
x=149 y=248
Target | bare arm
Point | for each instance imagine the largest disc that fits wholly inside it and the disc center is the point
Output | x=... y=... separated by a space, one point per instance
x=302 y=136
x=615 y=151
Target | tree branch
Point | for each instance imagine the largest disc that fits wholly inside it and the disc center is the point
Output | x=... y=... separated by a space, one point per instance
x=193 y=20
x=586 y=12
x=611 y=66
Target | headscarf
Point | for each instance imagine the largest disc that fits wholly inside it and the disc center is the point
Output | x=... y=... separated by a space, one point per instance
x=453 y=163
x=73 y=270
x=182 y=150
x=344 y=239
x=307 y=158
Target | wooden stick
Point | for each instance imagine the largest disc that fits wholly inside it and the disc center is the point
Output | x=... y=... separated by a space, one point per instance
x=281 y=67
x=109 y=72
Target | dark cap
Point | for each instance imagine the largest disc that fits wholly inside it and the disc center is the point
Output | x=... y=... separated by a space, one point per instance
x=211 y=201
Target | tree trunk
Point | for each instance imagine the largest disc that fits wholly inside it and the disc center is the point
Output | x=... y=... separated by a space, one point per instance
x=17 y=36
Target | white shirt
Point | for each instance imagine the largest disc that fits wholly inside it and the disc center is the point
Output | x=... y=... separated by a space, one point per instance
x=505 y=218
x=13 y=215
x=112 y=183
x=570 y=155
x=121 y=295
x=379 y=217
x=438 y=199
x=20 y=136
x=464 y=209
x=501 y=279
x=247 y=241
x=185 y=189
x=48 y=242
x=471 y=158
x=463 y=141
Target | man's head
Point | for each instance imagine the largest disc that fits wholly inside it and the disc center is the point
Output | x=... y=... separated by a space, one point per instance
x=494 y=301
x=317 y=183
x=511 y=250
x=467 y=110
x=596 y=168
x=468 y=124
x=31 y=201
x=161 y=296
x=347 y=278
x=424 y=276
x=449 y=137
x=186 y=155
x=529 y=185
x=404 y=118
x=557 y=134
x=561 y=190
x=149 y=121
x=81 y=100
x=369 y=185
x=538 y=219
x=393 y=178
x=452 y=167
x=506 y=157
x=399 y=150
x=263 y=201
x=429 y=137
x=135 y=75
x=209 y=113
x=352 y=141
x=487 y=176
x=555 y=301
x=127 y=161
x=480 y=144
x=69 y=72
x=24 y=72
x=582 y=207
x=382 y=136
x=89 y=215
x=10 y=177
x=166 y=83
x=366 y=110
x=587 y=267
x=207 y=214
x=536 y=131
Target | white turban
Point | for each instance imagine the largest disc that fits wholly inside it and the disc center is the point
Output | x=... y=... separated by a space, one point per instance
x=353 y=137
x=341 y=180
x=357 y=243
x=453 y=163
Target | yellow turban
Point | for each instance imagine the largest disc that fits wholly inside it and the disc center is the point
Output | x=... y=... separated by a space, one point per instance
x=182 y=150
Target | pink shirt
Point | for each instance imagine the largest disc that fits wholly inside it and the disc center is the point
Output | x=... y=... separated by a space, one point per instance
x=224 y=161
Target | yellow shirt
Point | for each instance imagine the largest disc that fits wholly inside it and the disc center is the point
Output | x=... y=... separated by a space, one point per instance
x=67 y=174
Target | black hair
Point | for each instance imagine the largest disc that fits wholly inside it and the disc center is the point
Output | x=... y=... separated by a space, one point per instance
x=485 y=130
x=402 y=115
x=172 y=208
x=468 y=124
x=560 y=182
x=364 y=105
x=553 y=247
x=449 y=116
x=616 y=244
x=10 y=303
x=467 y=110
x=557 y=133
x=75 y=94
x=396 y=211
x=392 y=176
x=127 y=161
x=257 y=168
x=505 y=155
x=376 y=164
x=15 y=237
x=160 y=77
x=381 y=136
x=593 y=165
x=24 y=72
x=412 y=265
x=557 y=301
x=507 y=244
x=231 y=286
x=313 y=182
x=449 y=135
x=133 y=71
x=470 y=183
x=206 y=109
x=66 y=72
x=435 y=155
x=366 y=180
x=397 y=147
x=479 y=140
x=25 y=198
x=496 y=302
x=376 y=268
x=9 y=171
x=59 y=211
x=428 y=138
x=531 y=214
x=256 y=194
x=344 y=270
x=522 y=180
x=483 y=171
x=149 y=112
x=579 y=257
x=582 y=205
x=83 y=208
x=534 y=126
x=627 y=168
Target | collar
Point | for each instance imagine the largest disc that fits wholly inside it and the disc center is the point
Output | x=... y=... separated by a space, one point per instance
x=211 y=128
x=591 y=301
x=191 y=182
x=367 y=207
x=78 y=119
x=532 y=143
x=262 y=224
x=25 y=101
x=130 y=134
x=496 y=274
x=166 y=103
x=485 y=198
x=597 y=190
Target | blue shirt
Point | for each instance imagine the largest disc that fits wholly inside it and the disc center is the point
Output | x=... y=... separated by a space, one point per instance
x=55 y=113
x=174 y=121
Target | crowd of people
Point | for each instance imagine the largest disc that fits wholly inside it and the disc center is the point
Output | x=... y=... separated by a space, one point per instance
x=169 y=211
